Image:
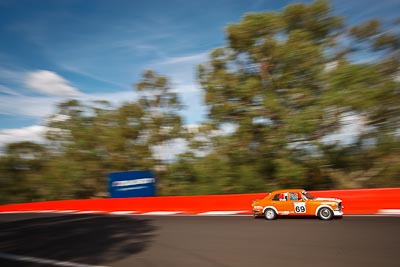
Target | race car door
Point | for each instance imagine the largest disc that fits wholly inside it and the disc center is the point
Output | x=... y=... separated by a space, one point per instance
x=298 y=205
x=282 y=204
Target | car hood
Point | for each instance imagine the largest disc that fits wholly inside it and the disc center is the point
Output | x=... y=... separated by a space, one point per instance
x=331 y=199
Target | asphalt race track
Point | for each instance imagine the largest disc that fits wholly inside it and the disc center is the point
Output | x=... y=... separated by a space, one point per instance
x=119 y=241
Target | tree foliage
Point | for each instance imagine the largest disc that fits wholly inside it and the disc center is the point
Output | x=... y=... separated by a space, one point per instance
x=288 y=79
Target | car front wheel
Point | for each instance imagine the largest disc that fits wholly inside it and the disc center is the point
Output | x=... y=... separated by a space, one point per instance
x=270 y=214
x=325 y=213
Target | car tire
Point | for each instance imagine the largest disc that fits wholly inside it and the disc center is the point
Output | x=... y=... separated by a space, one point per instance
x=270 y=214
x=325 y=214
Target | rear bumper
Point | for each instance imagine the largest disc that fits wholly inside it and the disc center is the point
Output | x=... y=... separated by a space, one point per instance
x=257 y=212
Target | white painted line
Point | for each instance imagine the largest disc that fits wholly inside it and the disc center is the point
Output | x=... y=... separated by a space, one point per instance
x=44 y=261
x=67 y=211
x=46 y=211
x=161 y=213
x=20 y=211
x=123 y=212
x=389 y=212
x=364 y=215
x=230 y=212
x=11 y=212
x=89 y=211
x=382 y=212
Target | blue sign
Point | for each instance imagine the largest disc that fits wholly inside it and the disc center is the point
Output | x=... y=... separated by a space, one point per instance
x=131 y=184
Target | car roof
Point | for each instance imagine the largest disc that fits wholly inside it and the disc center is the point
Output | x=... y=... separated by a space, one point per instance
x=287 y=190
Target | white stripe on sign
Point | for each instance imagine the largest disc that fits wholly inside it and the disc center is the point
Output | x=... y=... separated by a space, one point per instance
x=231 y=212
x=123 y=212
x=44 y=261
x=161 y=213
x=389 y=211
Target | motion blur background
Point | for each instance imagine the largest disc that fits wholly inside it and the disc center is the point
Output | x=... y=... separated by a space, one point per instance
x=227 y=96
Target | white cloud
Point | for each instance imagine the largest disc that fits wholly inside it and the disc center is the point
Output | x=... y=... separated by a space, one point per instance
x=182 y=73
x=187 y=88
x=331 y=66
x=397 y=77
x=10 y=74
x=169 y=150
x=7 y=91
x=41 y=107
x=191 y=59
x=352 y=125
x=50 y=83
x=80 y=71
x=34 y=133
x=26 y=106
x=181 y=70
x=113 y=97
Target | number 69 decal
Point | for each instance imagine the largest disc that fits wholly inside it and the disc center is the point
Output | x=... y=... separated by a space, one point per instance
x=299 y=207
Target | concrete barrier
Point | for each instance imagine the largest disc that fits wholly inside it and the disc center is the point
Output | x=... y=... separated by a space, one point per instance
x=356 y=201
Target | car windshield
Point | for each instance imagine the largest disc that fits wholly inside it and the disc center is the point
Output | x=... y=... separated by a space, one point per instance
x=307 y=195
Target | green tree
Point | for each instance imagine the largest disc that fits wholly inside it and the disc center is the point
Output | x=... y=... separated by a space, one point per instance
x=286 y=79
x=161 y=106
x=20 y=169
x=162 y=120
x=91 y=140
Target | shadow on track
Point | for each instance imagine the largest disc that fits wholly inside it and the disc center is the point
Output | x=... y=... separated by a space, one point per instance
x=89 y=239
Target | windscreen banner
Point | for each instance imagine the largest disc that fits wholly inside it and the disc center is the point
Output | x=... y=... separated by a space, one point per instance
x=131 y=184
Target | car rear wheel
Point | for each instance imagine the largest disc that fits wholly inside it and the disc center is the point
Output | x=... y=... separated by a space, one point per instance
x=270 y=214
x=325 y=213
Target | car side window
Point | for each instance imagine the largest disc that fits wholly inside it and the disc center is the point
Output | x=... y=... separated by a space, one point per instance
x=276 y=197
x=283 y=197
x=294 y=196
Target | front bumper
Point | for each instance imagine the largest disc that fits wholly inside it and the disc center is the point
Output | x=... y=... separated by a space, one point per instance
x=337 y=213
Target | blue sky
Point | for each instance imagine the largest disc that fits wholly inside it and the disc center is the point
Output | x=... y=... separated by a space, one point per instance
x=51 y=51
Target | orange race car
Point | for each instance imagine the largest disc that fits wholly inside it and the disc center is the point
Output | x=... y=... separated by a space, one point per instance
x=296 y=202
